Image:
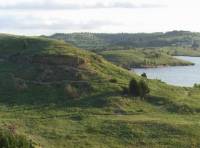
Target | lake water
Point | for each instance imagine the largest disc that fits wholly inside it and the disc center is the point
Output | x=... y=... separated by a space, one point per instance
x=176 y=75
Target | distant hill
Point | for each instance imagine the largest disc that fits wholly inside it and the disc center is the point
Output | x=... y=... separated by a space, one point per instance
x=103 y=41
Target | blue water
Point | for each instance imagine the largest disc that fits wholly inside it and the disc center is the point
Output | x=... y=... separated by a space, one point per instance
x=176 y=75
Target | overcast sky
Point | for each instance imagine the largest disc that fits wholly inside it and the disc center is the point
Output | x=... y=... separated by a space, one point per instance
x=34 y=17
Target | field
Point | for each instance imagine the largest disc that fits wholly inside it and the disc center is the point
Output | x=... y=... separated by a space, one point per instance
x=121 y=122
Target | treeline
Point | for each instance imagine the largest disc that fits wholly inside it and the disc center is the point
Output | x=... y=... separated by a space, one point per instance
x=100 y=41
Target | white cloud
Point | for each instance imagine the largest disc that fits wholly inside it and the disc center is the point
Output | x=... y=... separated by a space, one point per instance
x=50 y=16
x=32 y=23
x=64 y=5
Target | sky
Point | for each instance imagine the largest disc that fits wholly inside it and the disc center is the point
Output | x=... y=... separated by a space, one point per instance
x=36 y=17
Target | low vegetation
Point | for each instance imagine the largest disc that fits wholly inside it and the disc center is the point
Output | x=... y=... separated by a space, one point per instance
x=8 y=139
x=144 y=75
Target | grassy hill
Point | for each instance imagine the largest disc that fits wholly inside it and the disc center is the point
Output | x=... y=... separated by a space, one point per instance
x=147 y=58
x=102 y=41
x=57 y=95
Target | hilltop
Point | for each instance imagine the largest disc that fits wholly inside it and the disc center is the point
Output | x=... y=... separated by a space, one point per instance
x=103 y=41
x=57 y=95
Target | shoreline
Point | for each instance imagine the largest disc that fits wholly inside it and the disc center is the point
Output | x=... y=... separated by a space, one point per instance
x=171 y=71
x=165 y=65
x=159 y=66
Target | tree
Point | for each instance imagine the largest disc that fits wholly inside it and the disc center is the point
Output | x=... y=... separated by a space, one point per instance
x=144 y=89
x=134 y=88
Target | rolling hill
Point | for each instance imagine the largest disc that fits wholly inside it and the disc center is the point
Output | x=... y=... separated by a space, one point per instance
x=57 y=95
x=102 y=41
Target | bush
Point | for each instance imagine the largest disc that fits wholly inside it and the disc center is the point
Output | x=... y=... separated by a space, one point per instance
x=71 y=91
x=20 y=84
x=138 y=89
x=113 y=80
x=10 y=140
x=144 y=75
x=144 y=89
x=134 y=88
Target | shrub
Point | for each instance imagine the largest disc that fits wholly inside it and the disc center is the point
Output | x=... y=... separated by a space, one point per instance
x=144 y=89
x=144 y=75
x=138 y=89
x=10 y=140
x=71 y=91
x=80 y=76
x=134 y=88
x=20 y=84
x=77 y=117
x=113 y=80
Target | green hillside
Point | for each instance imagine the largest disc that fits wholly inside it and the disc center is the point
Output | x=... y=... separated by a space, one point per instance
x=147 y=58
x=102 y=41
x=58 y=96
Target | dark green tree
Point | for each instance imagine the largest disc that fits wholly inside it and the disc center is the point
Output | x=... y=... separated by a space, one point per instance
x=144 y=89
x=134 y=88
